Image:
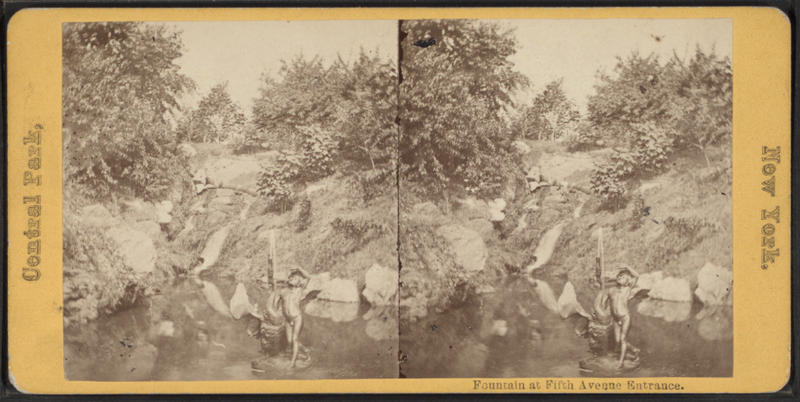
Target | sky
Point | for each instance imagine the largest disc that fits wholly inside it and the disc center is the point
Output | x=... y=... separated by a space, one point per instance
x=240 y=51
x=575 y=49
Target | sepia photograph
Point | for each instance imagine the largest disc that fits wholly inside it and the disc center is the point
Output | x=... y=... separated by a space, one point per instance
x=565 y=199
x=230 y=200
x=397 y=199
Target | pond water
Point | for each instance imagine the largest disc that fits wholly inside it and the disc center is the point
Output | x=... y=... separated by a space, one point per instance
x=185 y=333
x=511 y=333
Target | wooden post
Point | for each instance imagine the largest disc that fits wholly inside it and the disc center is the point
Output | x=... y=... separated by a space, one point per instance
x=600 y=265
x=272 y=264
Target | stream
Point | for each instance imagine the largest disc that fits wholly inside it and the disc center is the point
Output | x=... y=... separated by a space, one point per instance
x=185 y=333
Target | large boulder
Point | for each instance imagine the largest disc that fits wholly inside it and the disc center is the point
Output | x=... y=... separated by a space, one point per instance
x=714 y=285
x=568 y=303
x=469 y=250
x=558 y=168
x=381 y=286
x=234 y=173
x=340 y=290
x=647 y=281
x=672 y=289
x=240 y=303
x=316 y=283
x=136 y=247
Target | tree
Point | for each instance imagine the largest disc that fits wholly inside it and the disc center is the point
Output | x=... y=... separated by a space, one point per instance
x=217 y=116
x=305 y=93
x=702 y=109
x=354 y=105
x=638 y=91
x=453 y=95
x=551 y=115
x=119 y=86
x=366 y=112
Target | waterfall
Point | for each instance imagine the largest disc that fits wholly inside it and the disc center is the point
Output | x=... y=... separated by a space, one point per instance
x=545 y=248
x=213 y=249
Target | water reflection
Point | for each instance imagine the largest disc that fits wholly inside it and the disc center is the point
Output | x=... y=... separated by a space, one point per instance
x=184 y=334
x=514 y=332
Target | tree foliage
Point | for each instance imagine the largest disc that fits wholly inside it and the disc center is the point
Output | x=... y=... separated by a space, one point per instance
x=120 y=85
x=356 y=104
x=657 y=111
x=551 y=116
x=217 y=117
x=453 y=97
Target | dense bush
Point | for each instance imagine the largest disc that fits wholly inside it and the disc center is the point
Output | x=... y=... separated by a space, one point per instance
x=453 y=135
x=96 y=281
x=276 y=182
x=304 y=215
x=119 y=85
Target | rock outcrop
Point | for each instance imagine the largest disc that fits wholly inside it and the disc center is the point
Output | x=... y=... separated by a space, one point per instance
x=469 y=250
x=235 y=174
x=568 y=303
x=136 y=247
x=714 y=285
x=672 y=289
x=340 y=290
x=381 y=286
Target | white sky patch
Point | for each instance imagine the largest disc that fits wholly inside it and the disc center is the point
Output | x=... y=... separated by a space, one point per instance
x=576 y=49
x=240 y=51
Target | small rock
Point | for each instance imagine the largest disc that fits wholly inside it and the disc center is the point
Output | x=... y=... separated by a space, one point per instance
x=531 y=205
x=534 y=174
x=381 y=286
x=199 y=188
x=496 y=216
x=165 y=328
x=163 y=217
x=521 y=147
x=713 y=285
x=499 y=328
x=187 y=150
x=533 y=185
x=498 y=204
x=340 y=290
x=672 y=289
x=199 y=177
